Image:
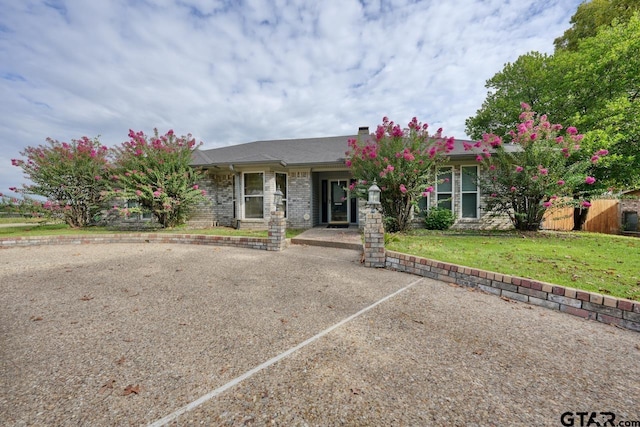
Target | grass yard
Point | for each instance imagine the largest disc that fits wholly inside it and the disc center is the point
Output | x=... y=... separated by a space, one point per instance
x=63 y=229
x=601 y=263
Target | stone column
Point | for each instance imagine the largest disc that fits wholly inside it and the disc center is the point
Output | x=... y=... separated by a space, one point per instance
x=374 y=254
x=277 y=232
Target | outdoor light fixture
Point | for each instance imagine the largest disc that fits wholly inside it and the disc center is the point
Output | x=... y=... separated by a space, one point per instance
x=374 y=196
x=277 y=198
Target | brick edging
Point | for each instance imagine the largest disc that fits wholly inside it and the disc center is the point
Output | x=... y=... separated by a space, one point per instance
x=193 y=239
x=589 y=305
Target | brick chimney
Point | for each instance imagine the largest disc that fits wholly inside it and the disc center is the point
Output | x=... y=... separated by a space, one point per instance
x=363 y=131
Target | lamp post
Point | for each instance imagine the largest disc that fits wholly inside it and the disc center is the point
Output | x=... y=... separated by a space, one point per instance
x=277 y=199
x=374 y=196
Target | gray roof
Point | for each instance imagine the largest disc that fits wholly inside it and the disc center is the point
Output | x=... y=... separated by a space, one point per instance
x=289 y=152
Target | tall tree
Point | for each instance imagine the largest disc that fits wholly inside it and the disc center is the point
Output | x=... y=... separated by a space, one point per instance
x=596 y=87
x=592 y=15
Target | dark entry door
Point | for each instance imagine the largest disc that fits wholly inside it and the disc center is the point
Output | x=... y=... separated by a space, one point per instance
x=339 y=202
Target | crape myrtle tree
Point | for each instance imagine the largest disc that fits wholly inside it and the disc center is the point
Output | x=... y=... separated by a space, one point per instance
x=403 y=164
x=541 y=167
x=69 y=175
x=155 y=172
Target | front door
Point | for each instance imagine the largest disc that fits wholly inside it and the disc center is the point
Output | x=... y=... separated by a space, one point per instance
x=338 y=202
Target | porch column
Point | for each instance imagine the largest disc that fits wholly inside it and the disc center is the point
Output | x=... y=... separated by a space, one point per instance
x=277 y=231
x=374 y=253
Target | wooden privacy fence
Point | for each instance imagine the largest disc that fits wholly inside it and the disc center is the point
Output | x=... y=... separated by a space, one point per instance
x=603 y=217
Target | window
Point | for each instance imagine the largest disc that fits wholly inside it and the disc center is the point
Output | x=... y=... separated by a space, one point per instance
x=423 y=205
x=253 y=195
x=469 y=191
x=143 y=216
x=444 y=188
x=281 y=182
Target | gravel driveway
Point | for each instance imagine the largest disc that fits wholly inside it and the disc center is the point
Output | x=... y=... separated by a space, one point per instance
x=102 y=335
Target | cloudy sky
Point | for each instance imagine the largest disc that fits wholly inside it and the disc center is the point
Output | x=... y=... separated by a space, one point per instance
x=235 y=71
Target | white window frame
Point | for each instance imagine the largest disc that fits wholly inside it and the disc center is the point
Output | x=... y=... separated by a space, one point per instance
x=244 y=196
x=142 y=216
x=463 y=192
x=285 y=190
x=453 y=187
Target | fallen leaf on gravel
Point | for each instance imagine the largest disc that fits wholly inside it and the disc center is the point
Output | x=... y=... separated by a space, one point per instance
x=86 y=298
x=356 y=391
x=418 y=321
x=120 y=361
x=35 y=319
x=478 y=352
x=453 y=285
x=284 y=320
x=131 y=389
x=106 y=386
x=638 y=346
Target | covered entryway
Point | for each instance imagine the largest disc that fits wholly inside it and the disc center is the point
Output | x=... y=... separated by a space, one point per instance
x=335 y=203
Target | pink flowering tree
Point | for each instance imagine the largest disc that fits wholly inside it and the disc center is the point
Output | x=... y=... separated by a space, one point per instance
x=69 y=175
x=541 y=167
x=403 y=164
x=154 y=172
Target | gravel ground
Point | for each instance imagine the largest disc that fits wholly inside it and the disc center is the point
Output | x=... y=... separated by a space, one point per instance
x=127 y=334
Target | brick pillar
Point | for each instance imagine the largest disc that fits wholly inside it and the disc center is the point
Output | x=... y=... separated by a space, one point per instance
x=277 y=231
x=374 y=255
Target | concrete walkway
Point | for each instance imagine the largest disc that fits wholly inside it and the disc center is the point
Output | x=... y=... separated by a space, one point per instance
x=341 y=238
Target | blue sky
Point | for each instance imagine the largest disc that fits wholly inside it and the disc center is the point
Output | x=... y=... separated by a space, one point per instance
x=235 y=71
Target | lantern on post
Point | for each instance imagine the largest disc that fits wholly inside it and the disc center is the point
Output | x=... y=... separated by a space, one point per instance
x=374 y=196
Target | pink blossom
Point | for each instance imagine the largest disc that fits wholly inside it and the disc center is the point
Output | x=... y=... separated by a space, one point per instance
x=586 y=204
x=12 y=188
x=348 y=163
x=560 y=182
x=546 y=204
x=97 y=177
x=403 y=189
x=390 y=168
x=519 y=168
x=595 y=158
x=513 y=189
x=525 y=106
x=195 y=187
x=478 y=158
x=589 y=180
x=138 y=193
x=602 y=152
x=204 y=193
x=571 y=130
x=494 y=195
x=544 y=171
x=429 y=189
x=156 y=193
x=533 y=136
x=559 y=139
x=534 y=178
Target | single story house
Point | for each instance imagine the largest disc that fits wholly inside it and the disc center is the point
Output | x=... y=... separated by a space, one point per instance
x=240 y=181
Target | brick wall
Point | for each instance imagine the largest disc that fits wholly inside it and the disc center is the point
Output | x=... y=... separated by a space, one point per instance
x=588 y=305
x=299 y=199
x=194 y=239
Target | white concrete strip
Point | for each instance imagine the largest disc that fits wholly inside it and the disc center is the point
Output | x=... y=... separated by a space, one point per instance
x=203 y=399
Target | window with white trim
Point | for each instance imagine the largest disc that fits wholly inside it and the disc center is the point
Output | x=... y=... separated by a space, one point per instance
x=469 y=193
x=281 y=182
x=253 y=195
x=444 y=188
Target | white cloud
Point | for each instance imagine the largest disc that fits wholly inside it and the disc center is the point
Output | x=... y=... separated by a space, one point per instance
x=233 y=72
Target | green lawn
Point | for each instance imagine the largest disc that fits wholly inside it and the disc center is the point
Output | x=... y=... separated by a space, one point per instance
x=63 y=229
x=594 y=262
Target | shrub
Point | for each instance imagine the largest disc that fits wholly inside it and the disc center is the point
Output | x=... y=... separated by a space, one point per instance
x=439 y=219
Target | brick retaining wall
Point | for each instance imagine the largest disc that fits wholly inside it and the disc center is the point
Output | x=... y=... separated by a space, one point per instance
x=194 y=239
x=588 y=305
